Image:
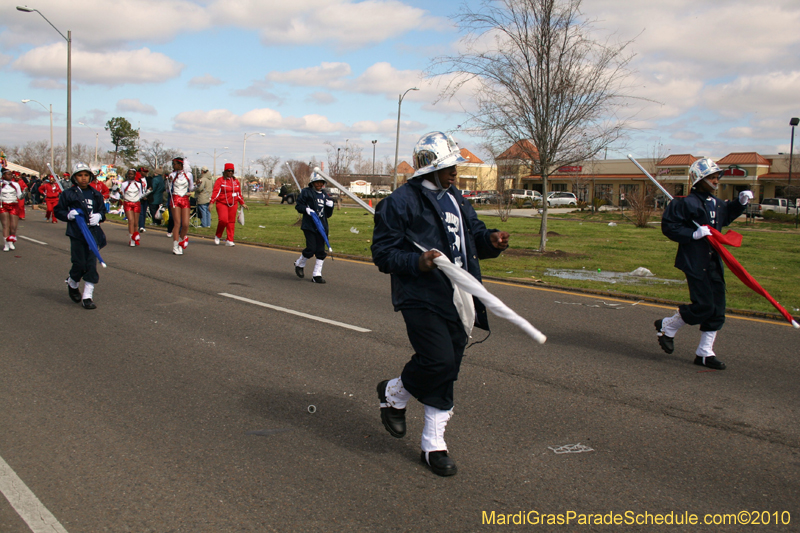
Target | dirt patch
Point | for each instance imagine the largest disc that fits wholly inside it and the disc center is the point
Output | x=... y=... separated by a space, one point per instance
x=551 y=254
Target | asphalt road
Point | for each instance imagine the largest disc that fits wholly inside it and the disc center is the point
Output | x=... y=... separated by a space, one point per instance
x=174 y=408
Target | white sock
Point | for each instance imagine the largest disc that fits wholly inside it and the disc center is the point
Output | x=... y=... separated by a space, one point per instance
x=72 y=283
x=318 y=268
x=672 y=324
x=88 y=290
x=301 y=262
x=396 y=395
x=433 y=432
x=706 y=346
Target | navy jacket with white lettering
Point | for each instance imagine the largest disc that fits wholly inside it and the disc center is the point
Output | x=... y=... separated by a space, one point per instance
x=411 y=214
x=677 y=224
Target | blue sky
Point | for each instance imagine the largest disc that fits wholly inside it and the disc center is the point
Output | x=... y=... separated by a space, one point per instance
x=199 y=75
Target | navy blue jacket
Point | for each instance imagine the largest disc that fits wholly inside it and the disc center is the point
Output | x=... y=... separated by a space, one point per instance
x=412 y=214
x=308 y=198
x=72 y=198
x=677 y=224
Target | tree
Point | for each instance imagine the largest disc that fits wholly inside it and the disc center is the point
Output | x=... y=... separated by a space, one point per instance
x=124 y=138
x=154 y=155
x=542 y=78
x=268 y=163
x=342 y=159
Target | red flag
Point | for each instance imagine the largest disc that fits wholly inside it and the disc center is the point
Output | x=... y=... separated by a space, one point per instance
x=731 y=238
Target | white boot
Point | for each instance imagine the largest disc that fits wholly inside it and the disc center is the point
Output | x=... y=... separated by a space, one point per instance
x=318 y=268
x=672 y=324
x=433 y=432
x=176 y=248
x=88 y=290
x=706 y=346
x=133 y=241
x=7 y=247
x=301 y=261
x=396 y=395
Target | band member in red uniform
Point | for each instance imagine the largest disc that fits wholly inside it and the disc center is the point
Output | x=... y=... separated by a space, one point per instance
x=180 y=183
x=102 y=188
x=227 y=196
x=51 y=190
x=22 y=185
x=132 y=192
x=10 y=194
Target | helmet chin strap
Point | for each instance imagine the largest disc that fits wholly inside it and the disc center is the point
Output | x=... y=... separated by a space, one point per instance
x=713 y=186
x=438 y=183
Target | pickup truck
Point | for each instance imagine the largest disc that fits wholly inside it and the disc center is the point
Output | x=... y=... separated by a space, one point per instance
x=526 y=194
x=779 y=205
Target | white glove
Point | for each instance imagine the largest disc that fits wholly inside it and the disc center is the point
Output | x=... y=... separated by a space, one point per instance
x=94 y=219
x=72 y=214
x=701 y=232
x=329 y=203
x=309 y=211
x=745 y=197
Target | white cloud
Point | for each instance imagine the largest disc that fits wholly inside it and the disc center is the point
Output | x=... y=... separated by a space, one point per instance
x=324 y=75
x=256 y=119
x=98 y=68
x=774 y=93
x=51 y=85
x=387 y=127
x=321 y=98
x=133 y=105
x=205 y=81
x=345 y=23
x=17 y=111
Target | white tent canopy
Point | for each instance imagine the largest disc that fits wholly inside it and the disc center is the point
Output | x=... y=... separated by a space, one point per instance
x=22 y=170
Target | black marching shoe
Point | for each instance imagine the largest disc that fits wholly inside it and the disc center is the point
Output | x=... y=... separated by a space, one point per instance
x=74 y=294
x=709 y=362
x=667 y=343
x=318 y=279
x=394 y=420
x=440 y=463
x=299 y=271
x=88 y=304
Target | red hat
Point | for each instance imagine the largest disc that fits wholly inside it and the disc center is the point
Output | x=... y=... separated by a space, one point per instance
x=66 y=174
x=228 y=166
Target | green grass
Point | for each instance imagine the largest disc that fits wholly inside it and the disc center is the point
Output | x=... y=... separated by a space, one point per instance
x=770 y=251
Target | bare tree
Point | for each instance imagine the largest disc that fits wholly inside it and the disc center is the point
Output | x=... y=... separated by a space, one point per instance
x=156 y=155
x=341 y=159
x=543 y=79
x=268 y=164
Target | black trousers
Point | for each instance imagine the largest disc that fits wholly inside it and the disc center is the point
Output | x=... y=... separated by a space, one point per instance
x=439 y=347
x=708 y=299
x=315 y=245
x=84 y=262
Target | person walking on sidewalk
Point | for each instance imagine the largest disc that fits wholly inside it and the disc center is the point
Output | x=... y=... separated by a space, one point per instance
x=313 y=200
x=430 y=212
x=686 y=221
x=202 y=194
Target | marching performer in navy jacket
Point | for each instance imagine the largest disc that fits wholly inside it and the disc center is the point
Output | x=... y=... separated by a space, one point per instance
x=430 y=212
x=684 y=221
x=313 y=199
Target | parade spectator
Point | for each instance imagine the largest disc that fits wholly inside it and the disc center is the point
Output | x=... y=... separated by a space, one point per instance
x=202 y=194
x=157 y=195
x=23 y=184
x=227 y=195
x=33 y=187
x=142 y=178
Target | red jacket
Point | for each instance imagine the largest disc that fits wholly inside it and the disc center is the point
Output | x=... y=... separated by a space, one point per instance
x=51 y=191
x=102 y=188
x=227 y=191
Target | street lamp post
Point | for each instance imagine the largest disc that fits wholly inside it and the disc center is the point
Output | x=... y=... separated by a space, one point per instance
x=373 y=155
x=244 y=145
x=68 y=38
x=52 y=156
x=96 y=138
x=793 y=122
x=215 y=157
x=397 y=138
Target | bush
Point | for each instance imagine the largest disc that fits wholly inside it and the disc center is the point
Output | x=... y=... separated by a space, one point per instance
x=777 y=217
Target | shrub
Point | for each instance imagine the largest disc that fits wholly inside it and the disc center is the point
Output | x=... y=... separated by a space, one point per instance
x=778 y=217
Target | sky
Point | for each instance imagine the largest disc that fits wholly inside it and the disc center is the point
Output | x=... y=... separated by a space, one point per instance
x=711 y=77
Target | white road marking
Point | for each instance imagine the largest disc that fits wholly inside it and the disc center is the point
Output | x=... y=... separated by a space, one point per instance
x=32 y=240
x=297 y=313
x=25 y=502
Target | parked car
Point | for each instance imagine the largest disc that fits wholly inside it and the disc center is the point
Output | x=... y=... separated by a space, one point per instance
x=526 y=194
x=779 y=205
x=562 y=198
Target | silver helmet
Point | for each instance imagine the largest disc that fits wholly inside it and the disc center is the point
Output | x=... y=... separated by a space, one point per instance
x=435 y=151
x=81 y=167
x=316 y=176
x=702 y=169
